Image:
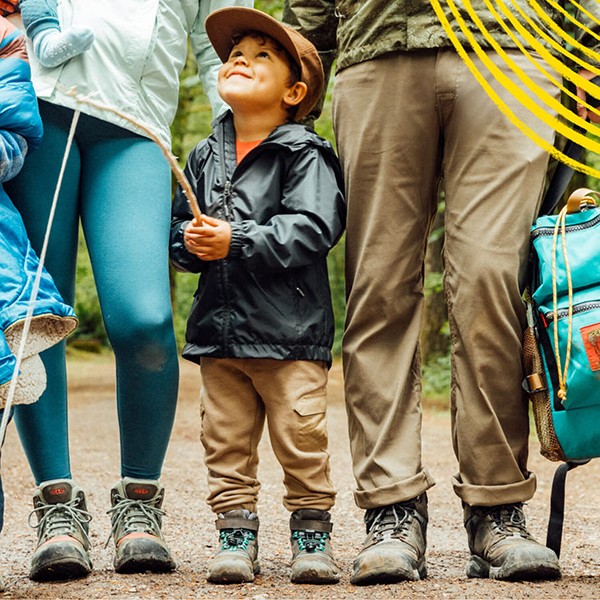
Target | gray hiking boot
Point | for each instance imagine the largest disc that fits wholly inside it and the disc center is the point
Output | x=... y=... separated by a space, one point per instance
x=63 y=544
x=312 y=555
x=136 y=516
x=394 y=549
x=502 y=548
x=237 y=558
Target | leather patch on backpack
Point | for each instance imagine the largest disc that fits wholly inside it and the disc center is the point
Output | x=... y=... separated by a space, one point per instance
x=591 y=341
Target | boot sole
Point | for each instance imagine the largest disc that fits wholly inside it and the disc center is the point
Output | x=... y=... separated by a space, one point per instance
x=389 y=575
x=60 y=570
x=141 y=555
x=314 y=571
x=144 y=564
x=315 y=578
x=477 y=568
x=239 y=576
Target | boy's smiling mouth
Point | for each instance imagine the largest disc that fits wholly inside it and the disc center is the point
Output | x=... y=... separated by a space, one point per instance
x=239 y=74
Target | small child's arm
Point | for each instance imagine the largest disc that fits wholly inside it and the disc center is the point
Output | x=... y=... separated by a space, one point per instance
x=310 y=222
x=51 y=44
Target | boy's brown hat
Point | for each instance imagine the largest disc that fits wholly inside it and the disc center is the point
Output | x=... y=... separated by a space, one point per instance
x=224 y=24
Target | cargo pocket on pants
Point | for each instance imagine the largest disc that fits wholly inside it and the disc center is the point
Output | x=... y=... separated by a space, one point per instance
x=311 y=434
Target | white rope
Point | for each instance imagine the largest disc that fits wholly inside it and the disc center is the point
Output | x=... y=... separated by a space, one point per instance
x=36 y=283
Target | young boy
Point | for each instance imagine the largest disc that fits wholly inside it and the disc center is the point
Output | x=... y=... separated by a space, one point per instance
x=261 y=323
x=51 y=45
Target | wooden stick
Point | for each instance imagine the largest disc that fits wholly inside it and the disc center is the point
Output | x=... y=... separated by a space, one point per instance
x=179 y=174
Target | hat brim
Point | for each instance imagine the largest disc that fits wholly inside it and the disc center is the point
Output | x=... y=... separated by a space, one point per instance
x=224 y=24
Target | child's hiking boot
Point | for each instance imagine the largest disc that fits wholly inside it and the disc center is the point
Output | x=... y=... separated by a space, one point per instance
x=136 y=516
x=237 y=558
x=63 y=523
x=312 y=555
x=394 y=549
x=502 y=548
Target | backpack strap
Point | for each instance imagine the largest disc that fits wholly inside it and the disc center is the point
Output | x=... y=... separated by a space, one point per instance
x=557 y=504
x=563 y=173
x=561 y=177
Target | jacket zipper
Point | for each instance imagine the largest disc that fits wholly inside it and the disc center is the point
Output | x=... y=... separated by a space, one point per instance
x=577 y=308
x=227 y=213
x=545 y=231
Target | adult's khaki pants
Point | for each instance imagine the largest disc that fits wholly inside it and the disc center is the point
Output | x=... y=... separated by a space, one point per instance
x=238 y=395
x=402 y=122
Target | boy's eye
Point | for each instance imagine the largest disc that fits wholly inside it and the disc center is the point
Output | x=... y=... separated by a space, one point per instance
x=263 y=54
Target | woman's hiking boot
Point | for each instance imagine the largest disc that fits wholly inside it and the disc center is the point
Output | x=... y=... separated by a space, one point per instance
x=312 y=555
x=502 y=548
x=63 y=523
x=136 y=516
x=237 y=558
x=394 y=549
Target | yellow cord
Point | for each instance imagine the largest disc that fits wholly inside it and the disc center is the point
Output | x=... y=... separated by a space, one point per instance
x=562 y=375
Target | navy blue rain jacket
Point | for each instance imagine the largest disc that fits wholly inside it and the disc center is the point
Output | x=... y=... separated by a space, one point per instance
x=270 y=298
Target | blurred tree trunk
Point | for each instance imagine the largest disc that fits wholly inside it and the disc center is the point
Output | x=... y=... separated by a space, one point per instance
x=434 y=337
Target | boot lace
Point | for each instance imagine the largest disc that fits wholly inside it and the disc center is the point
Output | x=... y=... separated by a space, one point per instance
x=310 y=541
x=509 y=521
x=60 y=519
x=236 y=539
x=135 y=516
x=390 y=522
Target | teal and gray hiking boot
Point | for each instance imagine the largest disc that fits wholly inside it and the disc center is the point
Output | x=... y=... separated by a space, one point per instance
x=312 y=556
x=394 y=549
x=237 y=558
x=502 y=548
x=63 y=543
x=136 y=516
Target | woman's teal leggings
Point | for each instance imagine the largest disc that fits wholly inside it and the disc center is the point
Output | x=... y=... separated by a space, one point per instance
x=118 y=185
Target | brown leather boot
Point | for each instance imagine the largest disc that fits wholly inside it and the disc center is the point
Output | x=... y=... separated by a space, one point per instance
x=394 y=549
x=502 y=548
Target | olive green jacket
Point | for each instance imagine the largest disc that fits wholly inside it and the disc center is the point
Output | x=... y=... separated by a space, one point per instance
x=360 y=30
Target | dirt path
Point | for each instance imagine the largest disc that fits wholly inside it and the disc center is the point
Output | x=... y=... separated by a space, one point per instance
x=190 y=531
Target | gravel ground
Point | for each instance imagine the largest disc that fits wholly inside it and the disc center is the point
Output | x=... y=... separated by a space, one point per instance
x=190 y=530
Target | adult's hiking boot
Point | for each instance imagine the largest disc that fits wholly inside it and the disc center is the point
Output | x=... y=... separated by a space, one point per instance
x=136 y=516
x=394 y=549
x=502 y=548
x=312 y=555
x=237 y=558
x=63 y=546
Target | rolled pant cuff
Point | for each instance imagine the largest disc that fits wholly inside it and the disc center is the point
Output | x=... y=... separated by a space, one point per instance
x=397 y=492
x=486 y=495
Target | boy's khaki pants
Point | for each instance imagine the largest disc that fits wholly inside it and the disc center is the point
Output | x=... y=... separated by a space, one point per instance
x=237 y=396
x=401 y=122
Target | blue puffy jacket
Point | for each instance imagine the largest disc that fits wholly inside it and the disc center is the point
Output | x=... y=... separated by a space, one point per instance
x=270 y=297
x=20 y=131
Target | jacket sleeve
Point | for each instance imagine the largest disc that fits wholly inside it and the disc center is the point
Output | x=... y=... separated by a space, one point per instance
x=310 y=223
x=181 y=215
x=20 y=122
x=589 y=34
x=206 y=57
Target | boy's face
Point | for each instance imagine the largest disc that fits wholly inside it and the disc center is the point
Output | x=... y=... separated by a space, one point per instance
x=256 y=78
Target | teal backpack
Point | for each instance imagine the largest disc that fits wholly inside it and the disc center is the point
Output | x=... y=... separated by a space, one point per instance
x=562 y=341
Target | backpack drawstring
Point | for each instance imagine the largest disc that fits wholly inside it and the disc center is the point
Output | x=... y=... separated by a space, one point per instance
x=562 y=374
